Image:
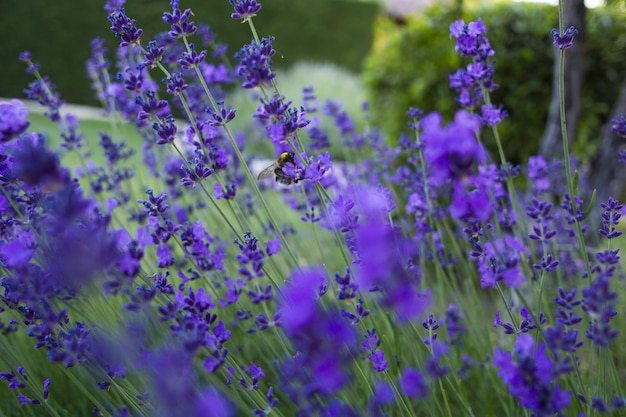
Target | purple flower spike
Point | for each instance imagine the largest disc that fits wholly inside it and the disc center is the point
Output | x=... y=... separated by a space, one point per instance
x=619 y=126
x=610 y=218
x=413 y=383
x=244 y=9
x=125 y=28
x=501 y=262
x=255 y=63
x=470 y=39
x=566 y=40
x=531 y=375
x=492 y=115
x=46 y=388
x=179 y=21
x=452 y=151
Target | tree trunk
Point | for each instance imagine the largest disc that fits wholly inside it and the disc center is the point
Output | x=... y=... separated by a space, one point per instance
x=551 y=142
x=605 y=174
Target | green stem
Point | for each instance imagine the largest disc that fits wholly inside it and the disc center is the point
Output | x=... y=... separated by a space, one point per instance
x=566 y=156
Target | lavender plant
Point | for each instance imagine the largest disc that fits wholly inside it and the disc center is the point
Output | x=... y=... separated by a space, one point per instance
x=168 y=281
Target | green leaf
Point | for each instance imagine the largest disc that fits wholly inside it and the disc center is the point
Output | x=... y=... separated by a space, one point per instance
x=592 y=202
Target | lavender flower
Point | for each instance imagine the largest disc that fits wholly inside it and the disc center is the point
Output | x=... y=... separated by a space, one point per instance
x=322 y=337
x=42 y=90
x=610 y=218
x=618 y=125
x=244 y=9
x=124 y=28
x=501 y=262
x=530 y=376
x=382 y=263
x=565 y=40
x=255 y=63
x=492 y=115
x=452 y=151
x=12 y=120
x=598 y=300
x=179 y=22
x=413 y=383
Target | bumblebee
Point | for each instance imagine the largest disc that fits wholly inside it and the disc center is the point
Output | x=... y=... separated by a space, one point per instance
x=277 y=169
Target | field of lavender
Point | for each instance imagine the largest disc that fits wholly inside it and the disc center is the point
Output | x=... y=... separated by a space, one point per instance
x=153 y=266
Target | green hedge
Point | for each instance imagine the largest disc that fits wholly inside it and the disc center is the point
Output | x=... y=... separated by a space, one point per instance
x=410 y=66
x=58 y=33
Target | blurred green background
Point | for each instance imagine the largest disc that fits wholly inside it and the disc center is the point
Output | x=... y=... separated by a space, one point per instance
x=58 y=34
x=392 y=62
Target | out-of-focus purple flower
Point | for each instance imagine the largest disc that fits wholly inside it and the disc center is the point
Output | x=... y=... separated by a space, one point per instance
x=322 y=337
x=46 y=388
x=112 y=5
x=165 y=257
x=12 y=120
x=360 y=312
x=227 y=192
x=114 y=151
x=16 y=253
x=31 y=162
x=71 y=138
x=531 y=377
x=42 y=90
x=13 y=380
x=492 y=115
x=413 y=384
x=344 y=123
x=454 y=324
x=431 y=325
x=378 y=358
x=273 y=246
x=383 y=394
x=598 y=303
x=382 y=263
x=562 y=338
x=618 y=125
x=474 y=204
x=316 y=169
x=171 y=375
x=501 y=262
x=538 y=174
x=25 y=400
x=566 y=40
x=341 y=215
x=346 y=285
x=270 y=401
x=452 y=151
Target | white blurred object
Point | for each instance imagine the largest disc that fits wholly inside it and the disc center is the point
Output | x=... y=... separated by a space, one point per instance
x=399 y=8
